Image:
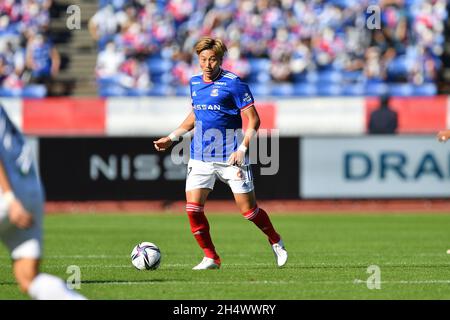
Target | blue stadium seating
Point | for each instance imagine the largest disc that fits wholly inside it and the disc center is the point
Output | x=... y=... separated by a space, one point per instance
x=183 y=91
x=330 y=76
x=261 y=90
x=329 y=89
x=305 y=89
x=112 y=91
x=282 y=90
x=353 y=89
x=34 y=91
x=30 y=91
x=158 y=65
x=427 y=89
x=259 y=64
x=161 y=90
x=376 y=88
x=400 y=89
x=10 y=93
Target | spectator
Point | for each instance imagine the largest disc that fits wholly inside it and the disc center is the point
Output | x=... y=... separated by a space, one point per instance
x=109 y=62
x=104 y=25
x=134 y=74
x=383 y=120
x=295 y=36
x=42 y=59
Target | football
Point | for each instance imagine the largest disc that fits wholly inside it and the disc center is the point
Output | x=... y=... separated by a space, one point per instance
x=146 y=256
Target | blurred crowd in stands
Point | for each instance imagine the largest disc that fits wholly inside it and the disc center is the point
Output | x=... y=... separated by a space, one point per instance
x=280 y=47
x=28 y=59
x=295 y=46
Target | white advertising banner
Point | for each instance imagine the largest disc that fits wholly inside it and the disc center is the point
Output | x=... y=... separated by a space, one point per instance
x=145 y=116
x=374 y=167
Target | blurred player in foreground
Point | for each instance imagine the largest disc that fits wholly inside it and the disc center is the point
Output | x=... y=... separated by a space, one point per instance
x=21 y=211
x=218 y=149
x=443 y=136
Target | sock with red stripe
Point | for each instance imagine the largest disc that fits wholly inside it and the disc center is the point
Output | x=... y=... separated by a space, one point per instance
x=200 y=230
x=260 y=218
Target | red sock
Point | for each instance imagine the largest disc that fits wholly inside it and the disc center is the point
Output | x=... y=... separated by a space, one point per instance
x=200 y=230
x=259 y=217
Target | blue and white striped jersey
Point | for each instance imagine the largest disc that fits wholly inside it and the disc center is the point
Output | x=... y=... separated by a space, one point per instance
x=17 y=159
x=218 y=124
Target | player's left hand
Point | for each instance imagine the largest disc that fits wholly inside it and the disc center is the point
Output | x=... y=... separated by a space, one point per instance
x=19 y=216
x=442 y=136
x=236 y=158
x=162 y=144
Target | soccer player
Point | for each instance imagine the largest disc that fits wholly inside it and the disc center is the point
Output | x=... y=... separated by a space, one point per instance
x=218 y=149
x=443 y=136
x=21 y=211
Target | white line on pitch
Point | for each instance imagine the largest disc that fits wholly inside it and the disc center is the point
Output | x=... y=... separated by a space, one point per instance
x=431 y=281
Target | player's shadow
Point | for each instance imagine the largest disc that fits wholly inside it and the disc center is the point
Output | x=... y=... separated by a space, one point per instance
x=122 y=281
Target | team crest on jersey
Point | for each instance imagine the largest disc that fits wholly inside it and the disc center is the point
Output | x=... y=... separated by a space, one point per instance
x=247 y=97
x=214 y=92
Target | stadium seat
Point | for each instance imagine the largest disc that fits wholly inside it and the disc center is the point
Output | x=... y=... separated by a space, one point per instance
x=305 y=89
x=34 y=91
x=328 y=89
x=353 y=89
x=134 y=92
x=260 y=89
x=282 y=89
x=161 y=90
x=183 y=91
x=352 y=76
x=158 y=65
x=10 y=93
x=159 y=78
x=259 y=64
x=400 y=89
x=112 y=91
x=398 y=67
x=376 y=88
x=258 y=77
x=427 y=89
x=312 y=77
x=299 y=77
x=329 y=76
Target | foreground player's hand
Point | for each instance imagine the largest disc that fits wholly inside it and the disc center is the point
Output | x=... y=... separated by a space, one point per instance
x=18 y=216
x=237 y=158
x=162 y=144
x=443 y=136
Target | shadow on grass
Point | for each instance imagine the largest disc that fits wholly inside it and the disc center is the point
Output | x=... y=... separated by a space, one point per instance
x=125 y=281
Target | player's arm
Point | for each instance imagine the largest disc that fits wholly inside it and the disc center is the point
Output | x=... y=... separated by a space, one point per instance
x=443 y=135
x=17 y=213
x=165 y=142
x=237 y=157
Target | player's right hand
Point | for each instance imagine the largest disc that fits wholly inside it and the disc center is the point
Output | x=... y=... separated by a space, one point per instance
x=162 y=144
x=19 y=216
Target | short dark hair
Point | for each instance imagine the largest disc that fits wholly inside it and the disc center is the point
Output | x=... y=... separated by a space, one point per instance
x=384 y=100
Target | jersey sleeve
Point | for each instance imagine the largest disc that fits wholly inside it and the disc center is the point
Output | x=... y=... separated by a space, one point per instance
x=242 y=95
x=190 y=90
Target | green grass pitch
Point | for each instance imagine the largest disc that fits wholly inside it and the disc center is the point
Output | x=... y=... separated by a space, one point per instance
x=328 y=257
